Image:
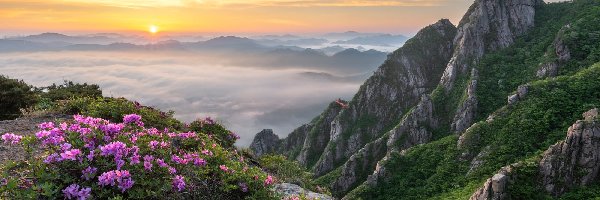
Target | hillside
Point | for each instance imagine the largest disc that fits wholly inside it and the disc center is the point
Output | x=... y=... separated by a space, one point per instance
x=455 y=105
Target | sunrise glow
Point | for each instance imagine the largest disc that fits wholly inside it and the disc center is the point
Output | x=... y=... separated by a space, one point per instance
x=153 y=29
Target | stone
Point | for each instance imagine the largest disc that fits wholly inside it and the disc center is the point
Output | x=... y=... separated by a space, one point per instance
x=288 y=191
x=574 y=161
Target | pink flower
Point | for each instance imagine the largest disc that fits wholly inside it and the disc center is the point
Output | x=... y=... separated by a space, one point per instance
x=269 y=180
x=10 y=138
x=70 y=154
x=224 y=168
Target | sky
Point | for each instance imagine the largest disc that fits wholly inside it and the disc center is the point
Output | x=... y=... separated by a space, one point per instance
x=226 y=16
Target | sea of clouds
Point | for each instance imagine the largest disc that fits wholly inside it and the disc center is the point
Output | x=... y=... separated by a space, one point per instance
x=245 y=98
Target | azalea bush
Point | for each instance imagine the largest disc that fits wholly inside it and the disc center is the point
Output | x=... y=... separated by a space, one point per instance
x=113 y=109
x=94 y=158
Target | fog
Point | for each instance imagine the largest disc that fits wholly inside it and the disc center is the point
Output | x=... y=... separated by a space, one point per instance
x=245 y=98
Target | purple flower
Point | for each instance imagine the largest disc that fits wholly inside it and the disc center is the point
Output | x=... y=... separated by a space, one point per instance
x=10 y=138
x=178 y=183
x=116 y=149
x=172 y=170
x=46 y=125
x=161 y=163
x=147 y=165
x=187 y=135
x=131 y=118
x=90 y=156
x=73 y=192
x=199 y=162
x=120 y=177
x=135 y=159
x=119 y=163
x=178 y=160
x=111 y=129
x=52 y=158
x=243 y=186
x=88 y=173
x=70 y=154
x=152 y=144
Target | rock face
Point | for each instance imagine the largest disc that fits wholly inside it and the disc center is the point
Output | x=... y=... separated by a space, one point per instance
x=318 y=136
x=561 y=55
x=495 y=187
x=265 y=142
x=465 y=115
x=576 y=160
x=489 y=25
x=383 y=99
x=289 y=191
x=572 y=162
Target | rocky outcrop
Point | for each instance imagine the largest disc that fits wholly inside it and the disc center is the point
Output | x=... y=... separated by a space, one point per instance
x=495 y=188
x=465 y=115
x=522 y=91
x=318 y=135
x=265 y=142
x=489 y=25
x=291 y=191
x=383 y=99
x=574 y=161
x=24 y=126
x=414 y=129
x=561 y=55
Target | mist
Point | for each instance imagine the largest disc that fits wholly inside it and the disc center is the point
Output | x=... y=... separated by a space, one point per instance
x=245 y=98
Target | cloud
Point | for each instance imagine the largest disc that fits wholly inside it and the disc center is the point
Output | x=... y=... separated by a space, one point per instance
x=259 y=3
x=246 y=99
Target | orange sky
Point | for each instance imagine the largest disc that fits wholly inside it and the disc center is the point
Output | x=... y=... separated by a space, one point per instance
x=226 y=16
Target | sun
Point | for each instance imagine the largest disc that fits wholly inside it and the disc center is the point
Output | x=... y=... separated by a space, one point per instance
x=153 y=29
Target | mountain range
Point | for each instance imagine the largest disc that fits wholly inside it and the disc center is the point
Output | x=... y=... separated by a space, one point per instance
x=500 y=106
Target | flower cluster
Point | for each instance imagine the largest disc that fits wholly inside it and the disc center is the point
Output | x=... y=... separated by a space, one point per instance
x=121 y=178
x=74 y=192
x=10 y=138
x=97 y=154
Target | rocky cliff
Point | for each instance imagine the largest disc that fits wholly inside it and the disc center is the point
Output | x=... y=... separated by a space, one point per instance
x=428 y=90
x=570 y=163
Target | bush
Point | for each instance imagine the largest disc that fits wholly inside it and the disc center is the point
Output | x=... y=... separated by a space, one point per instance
x=92 y=157
x=219 y=133
x=69 y=90
x=14 y=96
x=113 y=109
x=289 y=171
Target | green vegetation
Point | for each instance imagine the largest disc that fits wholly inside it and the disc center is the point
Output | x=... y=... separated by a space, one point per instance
x=113 y=109
x=289 y=172
x=14 y=96
x=69 y=90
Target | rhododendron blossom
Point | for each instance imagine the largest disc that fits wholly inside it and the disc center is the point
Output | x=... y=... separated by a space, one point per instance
x=178 y=183
x=10 y=138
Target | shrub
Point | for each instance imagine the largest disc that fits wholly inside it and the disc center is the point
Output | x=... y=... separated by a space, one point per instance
x=113 y=109
x=69 y=90
x=92 y=157
x=219 y=133
x=14 y=96
x=289 y=171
